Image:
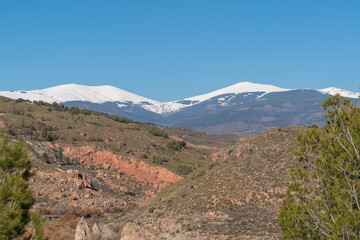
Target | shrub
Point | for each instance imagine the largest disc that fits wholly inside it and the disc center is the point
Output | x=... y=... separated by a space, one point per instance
x=184 y=170
x=158 y=132
x=159 y=160
x=45 y=158
x=129 y=193
x=176 y=145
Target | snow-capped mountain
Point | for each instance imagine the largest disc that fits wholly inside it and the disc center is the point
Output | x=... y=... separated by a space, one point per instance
x=241 y=107
x=103 y=94
x=75 y=92
x=93 y=94
x=242 y=87
x=342 y=92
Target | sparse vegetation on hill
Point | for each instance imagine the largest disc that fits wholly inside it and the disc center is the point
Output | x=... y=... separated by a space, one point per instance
x=236 y=196
x=201 y=138
x=84 y=158
x=79 y=127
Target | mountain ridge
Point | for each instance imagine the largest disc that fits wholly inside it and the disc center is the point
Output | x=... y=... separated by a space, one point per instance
x=240 y=108
x=107 y=93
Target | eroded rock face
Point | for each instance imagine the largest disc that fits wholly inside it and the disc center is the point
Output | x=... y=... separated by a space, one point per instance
x=89 y=155
x=82 y=230
x=101 y=180
x=70 y=188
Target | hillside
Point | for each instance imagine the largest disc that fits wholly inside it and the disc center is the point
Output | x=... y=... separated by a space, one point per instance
x=202 y=138
x=95 y=165
x=141 y=181
x=237 y=196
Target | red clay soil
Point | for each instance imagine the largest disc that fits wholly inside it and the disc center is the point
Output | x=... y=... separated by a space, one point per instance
x=89 y=155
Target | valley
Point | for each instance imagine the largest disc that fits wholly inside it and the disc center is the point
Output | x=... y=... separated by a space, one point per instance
x=101 y=176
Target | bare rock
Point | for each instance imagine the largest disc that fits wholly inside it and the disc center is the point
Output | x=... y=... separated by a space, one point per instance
x=82 y=230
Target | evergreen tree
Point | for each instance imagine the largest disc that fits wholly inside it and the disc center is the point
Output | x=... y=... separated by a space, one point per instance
x=15 y=195
x=323 y=200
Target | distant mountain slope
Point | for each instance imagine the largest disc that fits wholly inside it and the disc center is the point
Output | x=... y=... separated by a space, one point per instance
x=242 y=107
x=247 y=112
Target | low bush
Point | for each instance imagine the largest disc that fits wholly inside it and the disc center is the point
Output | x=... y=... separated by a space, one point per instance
x=176 y=145
x=158 y=132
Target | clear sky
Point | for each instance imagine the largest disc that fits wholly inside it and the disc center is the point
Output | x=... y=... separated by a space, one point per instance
x=169 y=50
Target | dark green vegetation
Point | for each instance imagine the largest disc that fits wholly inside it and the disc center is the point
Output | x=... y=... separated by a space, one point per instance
x=323 y=201
x=15 y=195
x=158 y=132
x=79 y=127
x=176 y=145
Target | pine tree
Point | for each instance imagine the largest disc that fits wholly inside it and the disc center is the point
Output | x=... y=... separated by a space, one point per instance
x=15 y=195
x=323 y=200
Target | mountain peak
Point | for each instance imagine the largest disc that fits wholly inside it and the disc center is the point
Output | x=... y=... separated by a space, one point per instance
x=342 y=92
x=101 y=94
x=76 y=92
x=241 y=87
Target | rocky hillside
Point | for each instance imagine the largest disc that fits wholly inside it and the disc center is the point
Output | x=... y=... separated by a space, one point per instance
x=129 y=180
x=237 y=196
x=96 y=166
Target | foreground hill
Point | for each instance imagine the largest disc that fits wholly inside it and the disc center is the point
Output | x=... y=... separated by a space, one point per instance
x=237 y=196
x=242 y=107
x=97 y=166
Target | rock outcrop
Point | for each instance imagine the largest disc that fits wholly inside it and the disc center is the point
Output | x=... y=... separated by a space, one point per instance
x=83 y=232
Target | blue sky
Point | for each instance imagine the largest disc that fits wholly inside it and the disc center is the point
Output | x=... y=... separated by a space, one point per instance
x=168 y=50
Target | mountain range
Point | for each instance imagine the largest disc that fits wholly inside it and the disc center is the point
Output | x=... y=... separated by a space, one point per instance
x=243 y=107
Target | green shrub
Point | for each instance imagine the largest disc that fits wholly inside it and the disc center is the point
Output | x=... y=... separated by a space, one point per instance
x=45 y=158
x=159 y=160
x=184 y=170
x=176 y=145
x=158 y=132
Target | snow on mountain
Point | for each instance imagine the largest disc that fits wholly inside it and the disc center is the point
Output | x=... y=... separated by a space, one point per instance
x=75 y=92
x=342 y=92
x=242 y=87
x=94 y=94
x=103 y=94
